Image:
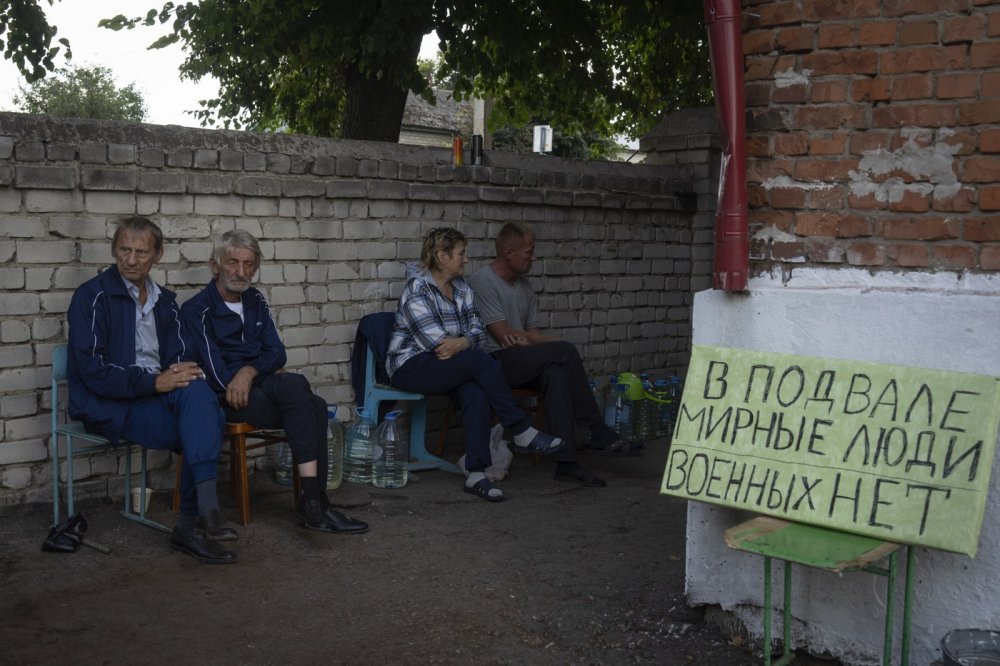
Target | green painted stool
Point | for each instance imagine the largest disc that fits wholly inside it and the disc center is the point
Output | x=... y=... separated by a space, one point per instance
x=823 y=549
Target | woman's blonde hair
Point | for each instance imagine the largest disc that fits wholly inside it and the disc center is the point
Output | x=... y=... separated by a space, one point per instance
x=440 y=239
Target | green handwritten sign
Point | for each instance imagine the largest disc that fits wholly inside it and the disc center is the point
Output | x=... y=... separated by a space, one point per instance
x=897 y=453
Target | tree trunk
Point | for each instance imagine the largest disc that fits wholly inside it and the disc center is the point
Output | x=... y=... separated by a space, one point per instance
x=374 y=106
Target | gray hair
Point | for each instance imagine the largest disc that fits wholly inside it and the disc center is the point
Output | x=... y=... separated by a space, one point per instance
x=232 y=239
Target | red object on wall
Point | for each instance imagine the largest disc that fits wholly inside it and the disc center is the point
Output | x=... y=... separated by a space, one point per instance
x=732 y=236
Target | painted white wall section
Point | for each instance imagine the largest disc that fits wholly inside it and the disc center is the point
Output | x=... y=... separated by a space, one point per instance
x=941 y=321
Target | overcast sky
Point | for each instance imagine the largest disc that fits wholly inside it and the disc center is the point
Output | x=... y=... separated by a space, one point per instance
x=154 y=72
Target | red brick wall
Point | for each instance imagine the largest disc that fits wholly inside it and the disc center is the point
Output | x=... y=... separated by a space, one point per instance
x=873 y=133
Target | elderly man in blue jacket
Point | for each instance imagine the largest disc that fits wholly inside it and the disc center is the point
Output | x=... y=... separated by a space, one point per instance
x=243 y=357
x=131 y=377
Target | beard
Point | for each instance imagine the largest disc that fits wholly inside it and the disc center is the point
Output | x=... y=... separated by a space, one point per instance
x=234 y=285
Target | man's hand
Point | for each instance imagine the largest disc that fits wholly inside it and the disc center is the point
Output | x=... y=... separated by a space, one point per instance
x=238 y=390
x=178 y=375
x=450 y=346
x=514 y=340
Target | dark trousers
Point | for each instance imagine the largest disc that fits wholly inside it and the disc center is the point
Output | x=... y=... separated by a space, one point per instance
x=285 y=400
x=475 y=380
x=189 y=417
x=556 y=370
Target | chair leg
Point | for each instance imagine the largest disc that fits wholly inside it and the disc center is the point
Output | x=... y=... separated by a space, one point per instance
x=238 y=457
x=420 y=458
x=445 y=425
x=126 y=511
x=297 y=487
x=69 y=475
x=178 y=462
x=54 y=454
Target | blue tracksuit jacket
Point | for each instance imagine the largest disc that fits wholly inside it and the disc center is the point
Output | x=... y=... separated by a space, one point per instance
x=224 y=344
x=101 y=373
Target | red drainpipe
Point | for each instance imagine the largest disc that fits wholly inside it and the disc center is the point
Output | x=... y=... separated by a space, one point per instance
x=732 y=236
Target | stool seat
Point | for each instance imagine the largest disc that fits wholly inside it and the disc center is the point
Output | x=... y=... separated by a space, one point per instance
x=822 y=548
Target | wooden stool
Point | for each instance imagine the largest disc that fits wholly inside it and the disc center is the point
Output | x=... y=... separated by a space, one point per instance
x=238 y=436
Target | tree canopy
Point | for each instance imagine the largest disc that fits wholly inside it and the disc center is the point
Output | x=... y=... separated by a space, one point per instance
x=339 y=68
x=82 y=92
x=26 y=38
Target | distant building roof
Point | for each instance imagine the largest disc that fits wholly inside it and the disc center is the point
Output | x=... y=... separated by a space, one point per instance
x=447 y=117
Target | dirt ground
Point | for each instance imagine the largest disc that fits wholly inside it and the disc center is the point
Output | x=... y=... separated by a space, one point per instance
x=555 y=574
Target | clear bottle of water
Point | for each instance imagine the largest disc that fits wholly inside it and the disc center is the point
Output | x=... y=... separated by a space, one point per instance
x=661 y=391
x=646 y=417
x=358 y=448
x=390 y=455
x=623 y=413
x=334 y=451
x=283 y=464
x=609 y=401
x=675 y=390
x=598 y=396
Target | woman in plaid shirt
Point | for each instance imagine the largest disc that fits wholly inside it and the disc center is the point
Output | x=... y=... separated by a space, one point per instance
x=434 y=349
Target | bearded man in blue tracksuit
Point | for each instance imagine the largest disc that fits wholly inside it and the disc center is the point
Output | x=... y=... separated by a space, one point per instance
x=131 y=377
x=238 y=345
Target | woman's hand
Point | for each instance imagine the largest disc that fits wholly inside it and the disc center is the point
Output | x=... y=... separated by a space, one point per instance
x=450 y=346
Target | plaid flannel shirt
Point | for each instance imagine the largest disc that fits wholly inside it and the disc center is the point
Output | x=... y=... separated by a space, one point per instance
x=425 y=317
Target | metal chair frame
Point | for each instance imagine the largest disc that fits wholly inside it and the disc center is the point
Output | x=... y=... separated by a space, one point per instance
x=71 y=431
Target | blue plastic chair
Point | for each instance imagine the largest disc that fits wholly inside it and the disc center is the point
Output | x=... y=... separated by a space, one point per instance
x=72 y=431
x=375 y=394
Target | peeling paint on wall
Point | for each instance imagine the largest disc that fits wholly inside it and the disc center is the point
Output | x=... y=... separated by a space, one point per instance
x=932 y=164
x=786 y=182
x=773 y=233
x=790 y=78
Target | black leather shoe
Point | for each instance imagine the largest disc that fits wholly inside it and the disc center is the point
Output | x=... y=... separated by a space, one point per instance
x=213 y=524
x=312 y=517
x=345 y=524
x=200 y=547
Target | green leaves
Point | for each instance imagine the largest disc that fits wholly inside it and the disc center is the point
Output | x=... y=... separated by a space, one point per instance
x=343 y=67
x=84 y=92
x=29 y=37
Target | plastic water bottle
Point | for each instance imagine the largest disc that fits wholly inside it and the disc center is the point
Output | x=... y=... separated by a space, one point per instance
x=334 y=451
x=358 y=448
x=283 y=464
x=646 y=417
x=675 y=390
x=662 y=392
x=609 y=401
x=390 y=455
x=598 y=396
x=623 y=412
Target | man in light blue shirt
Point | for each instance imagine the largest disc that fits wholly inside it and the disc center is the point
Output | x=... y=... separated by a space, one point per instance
x=130 y=378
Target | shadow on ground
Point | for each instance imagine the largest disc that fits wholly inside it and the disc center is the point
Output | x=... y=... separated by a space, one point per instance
x=555 y=574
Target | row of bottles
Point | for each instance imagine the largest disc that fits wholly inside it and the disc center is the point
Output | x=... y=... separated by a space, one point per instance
x=633 y=405
x=378 y=455
x=637 y=407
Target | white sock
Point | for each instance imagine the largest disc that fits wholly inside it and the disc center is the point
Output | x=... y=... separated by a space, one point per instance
x=525 y=437
x=476 y=477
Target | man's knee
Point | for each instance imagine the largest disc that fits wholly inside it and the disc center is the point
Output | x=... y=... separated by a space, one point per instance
x=563 y=351
x=291 y=386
